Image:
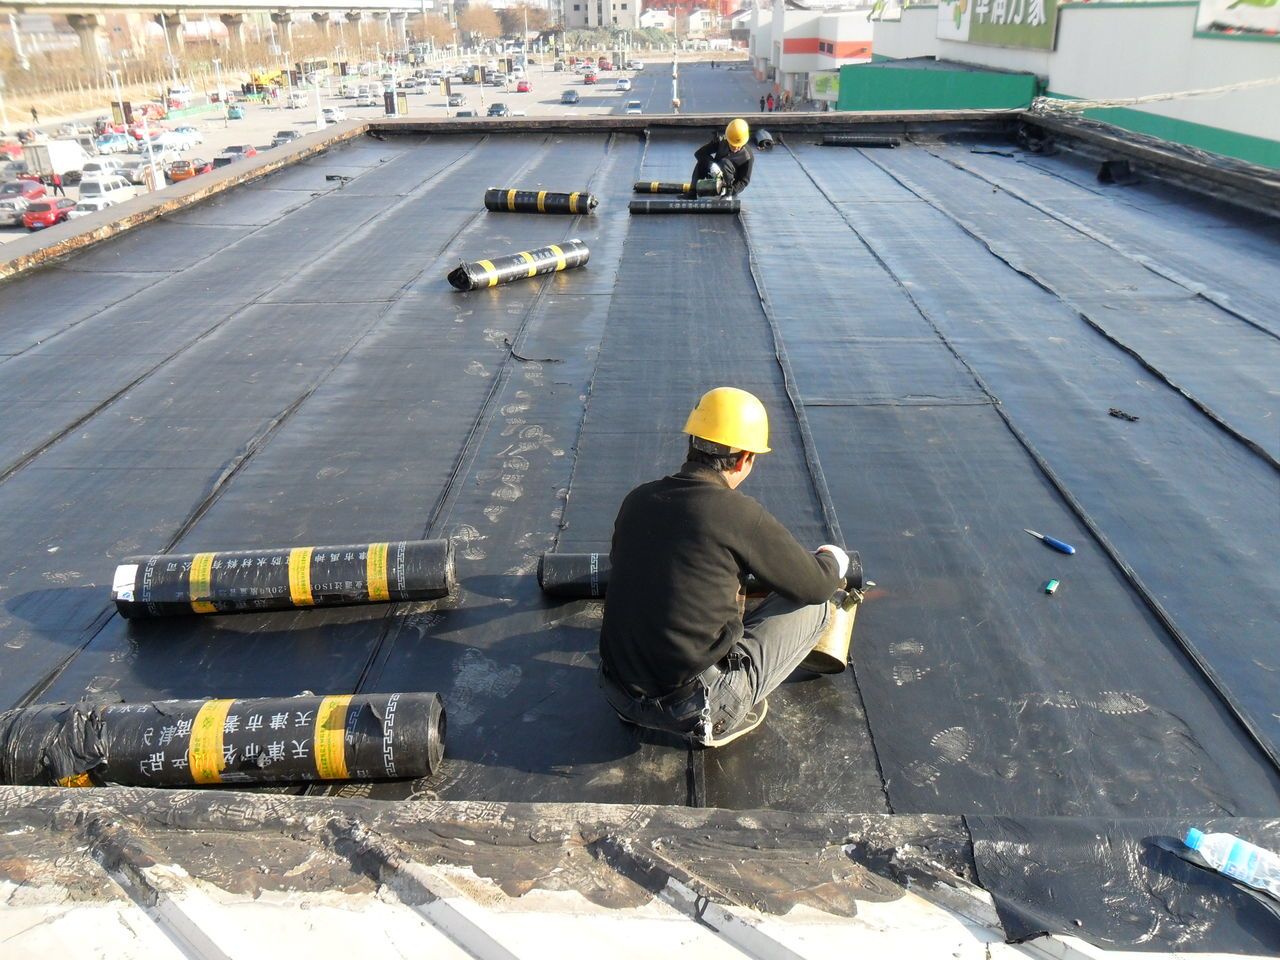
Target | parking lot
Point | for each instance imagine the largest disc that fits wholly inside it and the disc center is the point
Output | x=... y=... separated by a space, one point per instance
x=701 y=87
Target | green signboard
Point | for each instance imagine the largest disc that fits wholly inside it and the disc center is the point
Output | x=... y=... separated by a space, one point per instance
x=999 y=23
x=826 y=86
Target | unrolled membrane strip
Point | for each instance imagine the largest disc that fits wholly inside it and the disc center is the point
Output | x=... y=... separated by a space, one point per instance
x=503 y=199
x=586 y=575
x=858 y=140
x=184 y=743
x=658 y=186
x=246 y=581
x=709 y=205
x=519 y=266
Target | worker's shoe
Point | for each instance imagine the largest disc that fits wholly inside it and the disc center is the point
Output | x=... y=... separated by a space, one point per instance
x=753 y=718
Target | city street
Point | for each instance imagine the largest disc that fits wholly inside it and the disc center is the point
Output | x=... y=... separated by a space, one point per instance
x=702 y=88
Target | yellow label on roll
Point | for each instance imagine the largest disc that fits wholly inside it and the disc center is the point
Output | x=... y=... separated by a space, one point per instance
x=511 y=200
x=375 y=572
x=198 y=583
x=492 y=273
x=573 y=203
x=653 y=186
x=331 y=742
x=205 y=757
x=300 y=576
x=76 y=780
x=542 y=201
x=528 y=258
x=688 y=187
x=560 y=261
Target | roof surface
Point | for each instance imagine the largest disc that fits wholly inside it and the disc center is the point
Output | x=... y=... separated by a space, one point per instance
x=939 y=332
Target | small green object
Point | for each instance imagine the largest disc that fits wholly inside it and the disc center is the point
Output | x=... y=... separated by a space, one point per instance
x=1051 y=586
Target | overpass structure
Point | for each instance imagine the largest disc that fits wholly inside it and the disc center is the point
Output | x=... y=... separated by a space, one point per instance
x=88 y=20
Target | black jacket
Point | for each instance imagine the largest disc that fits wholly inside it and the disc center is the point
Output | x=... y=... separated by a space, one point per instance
x=680 y=546
x=736 y=164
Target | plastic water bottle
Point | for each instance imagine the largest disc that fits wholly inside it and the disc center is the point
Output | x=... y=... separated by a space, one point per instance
x=1238 y=859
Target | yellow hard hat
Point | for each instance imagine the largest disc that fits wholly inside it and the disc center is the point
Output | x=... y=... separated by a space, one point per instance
x=737 y=133
x=731 y=417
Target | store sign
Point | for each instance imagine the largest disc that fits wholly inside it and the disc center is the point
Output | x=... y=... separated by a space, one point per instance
x=999 y=23
x=1255 y=19
x=825 y=86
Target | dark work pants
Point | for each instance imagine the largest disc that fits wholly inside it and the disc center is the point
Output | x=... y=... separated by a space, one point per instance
x=777 y=636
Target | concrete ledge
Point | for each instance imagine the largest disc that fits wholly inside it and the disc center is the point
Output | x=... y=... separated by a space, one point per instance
x=38 y=249
x=903 y=121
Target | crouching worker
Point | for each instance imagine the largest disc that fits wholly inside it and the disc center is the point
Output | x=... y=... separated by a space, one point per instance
x=676 y=654
x=726 y=158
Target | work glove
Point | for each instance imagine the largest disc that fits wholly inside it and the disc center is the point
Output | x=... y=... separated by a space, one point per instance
x=714 y=170
x=842 y=558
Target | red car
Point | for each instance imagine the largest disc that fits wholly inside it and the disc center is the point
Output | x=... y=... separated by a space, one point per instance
x=45 y=213
x=27 y=189
x=524 y=86
x=589 y=78
x=242 y=150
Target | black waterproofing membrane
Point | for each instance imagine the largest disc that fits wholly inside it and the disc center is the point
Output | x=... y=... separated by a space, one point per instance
x=281 y=578
x=520 y=266
x=700 y=205
x=513 y=200
x=287 y=364
x=183 y=743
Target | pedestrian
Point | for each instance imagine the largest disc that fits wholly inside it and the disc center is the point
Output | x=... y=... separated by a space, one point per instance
x=35 y=117
x=683 y=659
x=762 y=104
x=57 y=184
x=769 y=102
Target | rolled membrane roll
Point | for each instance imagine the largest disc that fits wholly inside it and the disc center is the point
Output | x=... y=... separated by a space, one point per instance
x=520 y=266
x=247 y=581
x=709 y=205
x=184 y=743
x=659 y=186
x=503 y=199
x=581 y=576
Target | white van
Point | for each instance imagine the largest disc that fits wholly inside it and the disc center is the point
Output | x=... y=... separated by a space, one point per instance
x=115 y=189
x=179 y=98
x=99 y=168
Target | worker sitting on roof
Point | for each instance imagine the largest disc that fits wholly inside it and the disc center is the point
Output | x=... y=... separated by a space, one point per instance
x=726 y=158
x=675 y=652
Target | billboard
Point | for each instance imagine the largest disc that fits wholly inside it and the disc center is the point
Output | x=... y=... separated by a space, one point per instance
x=1000 y=23
x=1255 y=19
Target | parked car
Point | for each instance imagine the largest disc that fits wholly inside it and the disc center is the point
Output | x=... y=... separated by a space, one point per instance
x=366 y=100
x=235 y=113
x=91 y=205
x=181 y=170
x=465 y=113
x=333 y=115
x=589 y=78
x=457 y=99
x=114 y=189
x=114 y=143
x=244 y=149
x=191 y=135
x=226 y=159
x=499 y=110
x=634 y=65
x=558 y=67
x=409 y=83
x=295 y=101
x=633 y=106
x=496 y=79
x=47 y=212
x=103 y=167
x=11 y=210
x=27 y=189
x=524 y=86
x=623 y=84
x=285 y=136
x=570 y=96
x=134 y=169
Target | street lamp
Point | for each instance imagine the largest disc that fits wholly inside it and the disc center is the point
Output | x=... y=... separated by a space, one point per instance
x=222 y=92
x=173 y=63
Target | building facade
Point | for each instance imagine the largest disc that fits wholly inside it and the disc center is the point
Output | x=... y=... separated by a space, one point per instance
x=594 y=14
x=801 y=48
